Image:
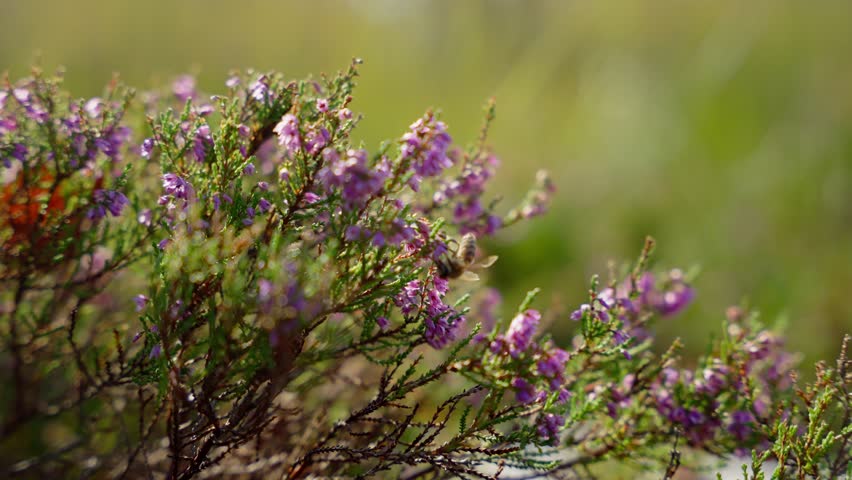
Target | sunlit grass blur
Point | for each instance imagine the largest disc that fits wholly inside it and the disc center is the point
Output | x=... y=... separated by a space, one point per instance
x=723 y=130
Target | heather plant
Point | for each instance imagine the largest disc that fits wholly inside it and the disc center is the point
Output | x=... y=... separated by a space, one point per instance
x=231 y=285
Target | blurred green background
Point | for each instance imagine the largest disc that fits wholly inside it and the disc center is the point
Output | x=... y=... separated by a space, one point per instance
x=722 y=129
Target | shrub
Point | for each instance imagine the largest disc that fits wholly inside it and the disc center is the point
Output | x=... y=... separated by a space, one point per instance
x=245 y=290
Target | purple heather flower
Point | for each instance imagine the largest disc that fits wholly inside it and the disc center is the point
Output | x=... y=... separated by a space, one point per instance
x=779 y=369
x=762 y=406
x=156 y=351
x=284 y=175
x=344 y=114
x=761 y=347
x=492 y=224
x=538 y=201
x=114 y=201
x=670 y=377
x=679 y=415
x=606 y=297
x=675 y=300
x=621 y=394
x=694 y=417
x=577 y=315
x=263 y=205
x=698 y=427
x=202 y=142
x=378 y=240
x=330 y=156
x=442 y=321
x=147 y=147
x=8 y=124
x=426 y=146
x=498 y=345
x=264 y=290
x=232 y=81
x=646 y=287
x=316 y=139
x=163 y=243
x=353 y=233
x=73 y=123
x=310 y=198
x=184 y=88
x=22 y=95
x=548 y=427
x=521 y=330
x=322 y=104
x=619 y=337
x=33 y=110
x=288 y=133
x=111 y=201
x=176 y=308
x=467 y=189
x=442 y=285
x=141 y=301
x=440 y=331
x=111 y=141
x=552 y=365
x=249 y=220
x=145 y=217
x=525 y=391
x=352 y=176
x=383 y=323
x=94 y=107
x=259 y=89
x=177 y=187
x=465 y=212
x=203 y=110
x=410 y=298
x=600 y=311
x=401 y=231
x=217 y=200
x=263 y=186
x=714 y=379
x=248 y=169
x=420 y=238
x=472 y=181
x=19 y=151
x=104 y=145
x=536 y=206
x=741 y=424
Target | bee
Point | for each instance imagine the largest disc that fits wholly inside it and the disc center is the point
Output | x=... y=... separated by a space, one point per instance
x=461 y=260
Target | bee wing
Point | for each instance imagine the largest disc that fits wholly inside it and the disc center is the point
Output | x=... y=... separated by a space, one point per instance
x=469 y=276
x=488 y=261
